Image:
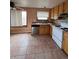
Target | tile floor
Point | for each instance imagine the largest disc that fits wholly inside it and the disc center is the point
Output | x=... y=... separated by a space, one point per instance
x=27 y=46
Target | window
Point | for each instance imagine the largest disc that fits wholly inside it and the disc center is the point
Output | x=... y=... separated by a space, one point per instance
x=42 y=15
x=18 y=18
x=24 y=18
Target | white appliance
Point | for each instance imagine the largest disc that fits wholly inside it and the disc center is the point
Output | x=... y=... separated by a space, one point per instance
x=57 y=32
x=57 y=35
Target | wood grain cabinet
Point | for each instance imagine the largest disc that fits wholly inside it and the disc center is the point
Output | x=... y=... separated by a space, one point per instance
x=60 y=8
x=56 y=12
x=65 y=42
x=44 y=29
x=52 y=13
x=65 y=7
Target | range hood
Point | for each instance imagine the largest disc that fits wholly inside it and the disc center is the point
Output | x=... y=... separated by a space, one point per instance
x=63 y=16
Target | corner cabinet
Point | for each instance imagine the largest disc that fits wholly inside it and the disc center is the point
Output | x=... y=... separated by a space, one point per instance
x=65 y=42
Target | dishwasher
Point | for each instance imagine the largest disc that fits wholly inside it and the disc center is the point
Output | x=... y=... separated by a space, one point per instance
x=35 y=29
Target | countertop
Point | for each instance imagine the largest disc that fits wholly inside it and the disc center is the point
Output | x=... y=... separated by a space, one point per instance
x=42 y=23
x=64 y=29
x=51 y=24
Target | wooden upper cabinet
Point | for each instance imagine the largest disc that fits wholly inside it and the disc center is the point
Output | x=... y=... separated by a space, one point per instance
x=52 y=13
x=60 y=8
x=56 y=12
x=65 y=7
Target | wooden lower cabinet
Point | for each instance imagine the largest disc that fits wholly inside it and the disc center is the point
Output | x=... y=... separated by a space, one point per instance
x=51 y=31
x=65 y=42
x=44 y=29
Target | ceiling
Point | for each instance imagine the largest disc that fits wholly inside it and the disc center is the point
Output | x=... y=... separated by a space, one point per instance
x=37 y=3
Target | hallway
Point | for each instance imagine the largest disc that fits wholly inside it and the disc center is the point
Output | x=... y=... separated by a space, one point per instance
x=27 y=46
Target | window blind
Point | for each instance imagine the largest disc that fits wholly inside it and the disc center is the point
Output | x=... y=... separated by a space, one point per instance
x=18 y=18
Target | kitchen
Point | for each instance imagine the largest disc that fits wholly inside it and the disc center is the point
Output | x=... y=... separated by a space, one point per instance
x=40 y=21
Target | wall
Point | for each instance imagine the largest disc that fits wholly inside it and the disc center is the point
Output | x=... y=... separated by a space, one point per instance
x=31 y=17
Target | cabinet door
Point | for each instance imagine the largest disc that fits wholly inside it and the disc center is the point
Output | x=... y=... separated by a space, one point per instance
x=65 y=42
x=47 y=29
x=56 y=12
x=60 y=8
x=65 y=9
x=41 y=29
x=52 y=13
x=44 y=29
